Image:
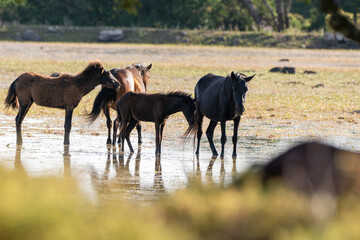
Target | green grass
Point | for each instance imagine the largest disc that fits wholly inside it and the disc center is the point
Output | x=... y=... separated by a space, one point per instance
x=271 y=95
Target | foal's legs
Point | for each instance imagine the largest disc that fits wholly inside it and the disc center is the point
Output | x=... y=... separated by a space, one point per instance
x=115 y=129
x=124 y=124
x=199 y=119
x=67 y=126
x=157 y=138
x=138 y=128
x=130 y=127
x=235 y=136
x=108 y=123
x=19 y=118
x=210 y=134
x=161 y=135
x=223 y=138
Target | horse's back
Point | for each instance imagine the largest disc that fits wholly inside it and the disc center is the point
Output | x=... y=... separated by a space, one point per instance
x=208 y=92
x=207 y=82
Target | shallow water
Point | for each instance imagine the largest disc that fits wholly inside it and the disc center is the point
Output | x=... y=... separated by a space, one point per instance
x=103 y=173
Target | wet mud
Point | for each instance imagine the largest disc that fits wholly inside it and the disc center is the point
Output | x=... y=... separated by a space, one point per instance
x=105 y=173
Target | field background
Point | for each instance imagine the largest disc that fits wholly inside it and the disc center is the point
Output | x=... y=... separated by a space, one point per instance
x=101 y=193
x=328 y=98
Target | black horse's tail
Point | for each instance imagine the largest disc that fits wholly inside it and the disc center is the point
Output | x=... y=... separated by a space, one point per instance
x=104 y=97
x=11 y=97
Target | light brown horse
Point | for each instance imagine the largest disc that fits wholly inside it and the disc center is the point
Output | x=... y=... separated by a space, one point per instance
x=132 y=78
x=64 y=92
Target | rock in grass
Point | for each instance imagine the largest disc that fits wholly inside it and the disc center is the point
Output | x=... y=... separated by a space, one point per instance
x=31 y=35
x=111 y=35
x=285 y=70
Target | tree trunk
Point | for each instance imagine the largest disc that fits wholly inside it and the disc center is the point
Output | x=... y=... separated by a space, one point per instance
x=279 y=11
x=355 y=17
x=254 y=12
x=272 y=14
x=287 y=6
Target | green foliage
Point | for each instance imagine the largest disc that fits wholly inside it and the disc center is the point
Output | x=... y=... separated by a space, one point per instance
x=188 y=14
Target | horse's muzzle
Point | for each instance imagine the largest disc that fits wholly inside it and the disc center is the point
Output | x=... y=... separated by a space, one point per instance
x=240 y=111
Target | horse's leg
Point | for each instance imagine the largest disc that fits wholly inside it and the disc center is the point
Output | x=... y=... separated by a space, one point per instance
x=124 y=124
x=67 y=126
x=108 y=123
x=23 y=109
x=210 y=134
x=223 y=138
x=161 y=135
x=115 y=129
x=138 y=128
x=157 y=138
x=119 y=125
x=235 y=136
x=199 y=119
x=130 y=127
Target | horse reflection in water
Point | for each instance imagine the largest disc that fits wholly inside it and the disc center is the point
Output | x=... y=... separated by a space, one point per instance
x=18 y=164
x=125 y=184
x=66 y=156
x=67 y=161
x=209 y=171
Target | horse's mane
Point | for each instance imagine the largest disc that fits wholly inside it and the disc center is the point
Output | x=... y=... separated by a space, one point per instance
x=139 y=66
x=239 y=73
x=178 y=94
x=92 y=67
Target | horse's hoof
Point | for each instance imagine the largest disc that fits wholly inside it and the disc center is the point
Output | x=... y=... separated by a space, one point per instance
x=222 y=156
x=234 y=155
x=214 y=156
x=139 y=142
x=108 y=142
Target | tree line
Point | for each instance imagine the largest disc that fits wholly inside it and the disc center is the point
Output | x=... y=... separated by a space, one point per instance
x=191 y=14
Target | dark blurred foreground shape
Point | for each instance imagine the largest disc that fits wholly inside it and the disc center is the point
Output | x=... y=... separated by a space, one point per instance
x=315 y=167
x=338 y=21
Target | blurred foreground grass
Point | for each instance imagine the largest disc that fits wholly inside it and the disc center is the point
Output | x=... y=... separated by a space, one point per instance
x=53 y=208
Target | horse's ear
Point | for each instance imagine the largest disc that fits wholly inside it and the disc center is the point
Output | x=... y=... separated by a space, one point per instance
x=247 y=79
x=149 y=67
x=233 y=75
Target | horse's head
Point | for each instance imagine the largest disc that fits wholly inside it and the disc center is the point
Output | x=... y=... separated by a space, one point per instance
x=239 y=89
x=108 y=80
x=144 y=70
x=189 y=110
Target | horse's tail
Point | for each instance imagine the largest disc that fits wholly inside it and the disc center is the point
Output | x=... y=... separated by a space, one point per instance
x=102 y=100
x=191 y=130
x=11 y=97
x=118 y=117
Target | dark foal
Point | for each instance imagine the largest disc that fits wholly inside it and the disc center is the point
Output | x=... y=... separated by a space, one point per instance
x=220 y=99
x=134 y=107
x=132 y=78
x=64 y=92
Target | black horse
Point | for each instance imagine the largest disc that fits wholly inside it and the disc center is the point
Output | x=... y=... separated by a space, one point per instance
x=220 y=99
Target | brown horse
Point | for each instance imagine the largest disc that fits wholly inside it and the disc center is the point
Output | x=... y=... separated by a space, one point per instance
x=132 y=78
x=134 y=107
x=64 y=91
